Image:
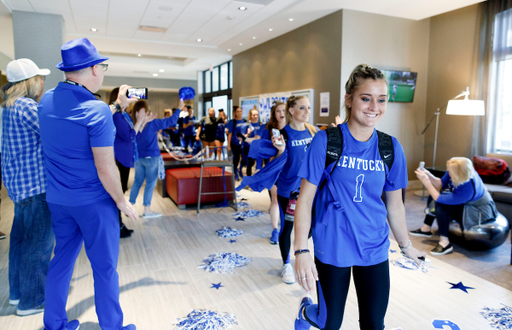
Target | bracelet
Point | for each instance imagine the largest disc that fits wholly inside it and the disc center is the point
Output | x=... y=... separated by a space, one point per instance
x=406 y=248
x=301 y=251
x=116 y=106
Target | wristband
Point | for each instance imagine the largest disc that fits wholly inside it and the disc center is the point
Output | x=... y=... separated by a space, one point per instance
x=406 y=248
x=116 y=106
x=301 y=251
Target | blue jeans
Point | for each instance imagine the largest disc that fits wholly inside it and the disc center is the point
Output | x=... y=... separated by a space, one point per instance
x=145 y=168
x=30 y=251
x=96 y=225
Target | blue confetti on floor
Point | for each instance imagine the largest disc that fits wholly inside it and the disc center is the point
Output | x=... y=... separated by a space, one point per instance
x=248 y=213
x=244 y=205
x=225 y=232
x=407 y=263
x=499 y=318
x=224 y=263
x=201 y=319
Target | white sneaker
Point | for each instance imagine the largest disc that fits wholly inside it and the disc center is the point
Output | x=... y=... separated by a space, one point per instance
x=14 y=302
x=288 y=274
x=151 y=215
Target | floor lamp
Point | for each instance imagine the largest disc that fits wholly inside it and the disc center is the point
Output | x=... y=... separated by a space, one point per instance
x=465 y=107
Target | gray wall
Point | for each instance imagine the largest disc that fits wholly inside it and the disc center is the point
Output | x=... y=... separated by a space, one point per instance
x=308 y=57
x=39 y=37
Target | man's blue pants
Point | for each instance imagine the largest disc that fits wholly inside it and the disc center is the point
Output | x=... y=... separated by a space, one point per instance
x=97 y=225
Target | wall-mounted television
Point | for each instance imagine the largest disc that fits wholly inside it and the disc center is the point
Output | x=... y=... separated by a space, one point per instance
x=402 y=85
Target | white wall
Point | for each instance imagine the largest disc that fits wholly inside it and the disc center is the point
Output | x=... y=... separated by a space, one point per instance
x=391 y=43
x=6 y=40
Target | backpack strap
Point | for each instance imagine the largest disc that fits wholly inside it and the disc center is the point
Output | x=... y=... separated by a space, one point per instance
x=284 y=135
x=334 y=146
x=386 y=150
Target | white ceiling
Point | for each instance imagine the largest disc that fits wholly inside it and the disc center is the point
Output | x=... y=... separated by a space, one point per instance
x=219 y=23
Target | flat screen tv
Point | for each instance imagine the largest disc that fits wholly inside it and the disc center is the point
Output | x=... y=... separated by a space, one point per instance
x=402 y=85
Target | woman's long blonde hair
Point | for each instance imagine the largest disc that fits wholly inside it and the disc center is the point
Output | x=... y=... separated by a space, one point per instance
x=290 y=103
x=461 y=170
x=30 y=88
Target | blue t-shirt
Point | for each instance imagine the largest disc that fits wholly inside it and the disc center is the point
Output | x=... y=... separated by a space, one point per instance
x=191 y=130
x=354 y=232
x=298 y=142
x=464 y=193
x=72 y=121
x=256 y=129
x=147 y=143
x=235 y=127
x=265 y=134
x=221 y=130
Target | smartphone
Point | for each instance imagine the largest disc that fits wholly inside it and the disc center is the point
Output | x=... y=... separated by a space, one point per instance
x=422 y=165
x=140 y=93
x=241 y=136
x=277 y=135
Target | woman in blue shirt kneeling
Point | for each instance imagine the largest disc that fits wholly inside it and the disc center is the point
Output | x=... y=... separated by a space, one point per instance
x=349 y=228
x=146 y=168
x=460 y=185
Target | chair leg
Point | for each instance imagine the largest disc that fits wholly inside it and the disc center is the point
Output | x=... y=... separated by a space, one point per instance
x=200 y=187
x=233 y=184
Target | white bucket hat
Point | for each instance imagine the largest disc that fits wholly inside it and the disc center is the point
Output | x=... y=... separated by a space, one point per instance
x=23 y=69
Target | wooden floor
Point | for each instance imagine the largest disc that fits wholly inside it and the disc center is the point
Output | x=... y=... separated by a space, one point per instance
x=160 y=280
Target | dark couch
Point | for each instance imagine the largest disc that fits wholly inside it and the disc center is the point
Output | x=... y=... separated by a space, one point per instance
x=502 y=194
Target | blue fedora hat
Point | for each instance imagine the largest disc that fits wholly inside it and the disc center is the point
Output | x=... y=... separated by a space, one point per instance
x=79 y=54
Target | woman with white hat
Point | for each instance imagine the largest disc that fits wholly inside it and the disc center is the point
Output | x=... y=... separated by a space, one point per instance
x=24 y=177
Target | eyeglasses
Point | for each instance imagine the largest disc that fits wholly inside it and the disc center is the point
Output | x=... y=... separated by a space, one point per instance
x=105 y=66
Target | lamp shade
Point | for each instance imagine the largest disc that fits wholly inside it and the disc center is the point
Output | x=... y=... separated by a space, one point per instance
x=465 y=108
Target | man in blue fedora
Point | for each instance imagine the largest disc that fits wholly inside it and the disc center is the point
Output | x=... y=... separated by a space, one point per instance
x=84 y=191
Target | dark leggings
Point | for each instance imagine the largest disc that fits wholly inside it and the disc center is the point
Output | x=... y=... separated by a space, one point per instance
x=285 y=234
x=237 y=153
x=124 y=173
x=372 y=289
x=444 y=214
x=189 y=139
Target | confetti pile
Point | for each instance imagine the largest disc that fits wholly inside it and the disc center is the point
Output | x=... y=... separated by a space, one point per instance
x=229 y=232
x=500 y=318
x=407 y=263
x=201 y=319
x=244 y=205
x=224 y=262
x=248 y=213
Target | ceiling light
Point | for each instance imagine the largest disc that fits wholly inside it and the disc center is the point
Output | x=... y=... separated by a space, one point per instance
x=161 y=70
x=241 y=44
x=139 y=55
x=290 y=19
x=254 y=37
x=271 y=29
x=165 y=8
x=155 y=74
x=199 y=40
x=229 y=49
x=94 y=29
x=242 y=8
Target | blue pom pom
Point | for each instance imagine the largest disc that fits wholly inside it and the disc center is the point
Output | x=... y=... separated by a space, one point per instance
x=224 y=262
x=187 y=93
x=206 y=320
x=225 y=232
x=248 y=214
x=499 y=318
x=244 y=205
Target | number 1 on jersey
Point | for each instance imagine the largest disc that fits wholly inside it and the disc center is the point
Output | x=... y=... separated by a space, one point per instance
x=358 y=198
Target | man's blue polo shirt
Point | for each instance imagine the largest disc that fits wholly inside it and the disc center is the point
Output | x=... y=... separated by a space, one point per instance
x=72 y=121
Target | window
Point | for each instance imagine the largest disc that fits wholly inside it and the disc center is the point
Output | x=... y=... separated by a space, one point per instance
x=224 y=76
x=230 y=74
x=502 y=78
x=207 y=81
x=215 y=79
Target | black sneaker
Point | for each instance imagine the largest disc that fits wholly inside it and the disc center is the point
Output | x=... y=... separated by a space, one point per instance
x=125 y=232
x=420 y=233
x=2 y=235
x=439 y=250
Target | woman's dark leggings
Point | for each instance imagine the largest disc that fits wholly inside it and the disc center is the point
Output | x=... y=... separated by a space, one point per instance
x=372 y=289
x=285 y=234
x=444 y=214
x=237 y=153
x=124 y=173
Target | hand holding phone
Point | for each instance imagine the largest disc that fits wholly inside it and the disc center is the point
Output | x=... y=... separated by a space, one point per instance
x=277 y=135
x=422 y=165
x=140 y=93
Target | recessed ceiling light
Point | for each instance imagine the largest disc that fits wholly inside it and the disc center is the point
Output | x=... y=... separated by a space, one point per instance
x=241 y=44
x=254 y=37
x=271 y=29
x=161 y=70
x=155 y=74
x=242 y=8
x=94 y=29
x=229 y=49
x=290 y=19
x=139 y=55
x=165 y=8
x=199 y=40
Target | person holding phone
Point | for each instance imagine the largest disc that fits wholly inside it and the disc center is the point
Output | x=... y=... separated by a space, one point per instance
x=189 y=130
x=348 y=221
x=220 y=137
x=237 y=128
x=146 y=168
x=254 y=132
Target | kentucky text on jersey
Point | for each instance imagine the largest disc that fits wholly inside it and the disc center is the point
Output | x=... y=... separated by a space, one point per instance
x=364 y=164
x=303 y=142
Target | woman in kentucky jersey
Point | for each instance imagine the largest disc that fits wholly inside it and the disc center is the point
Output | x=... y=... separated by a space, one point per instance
x=299 y=135
x=350 y=232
